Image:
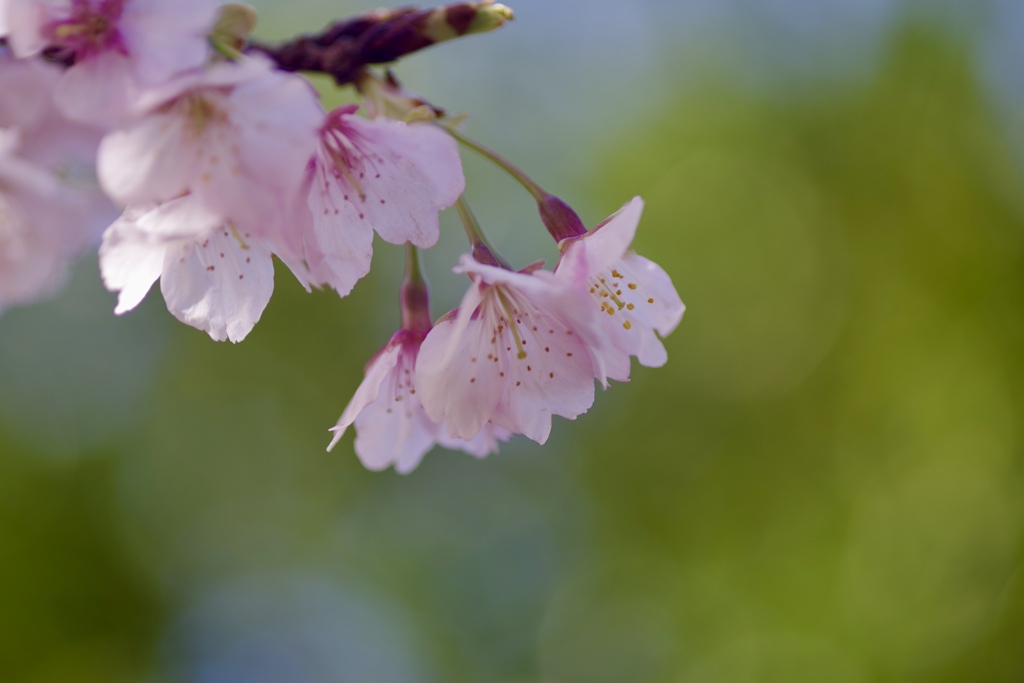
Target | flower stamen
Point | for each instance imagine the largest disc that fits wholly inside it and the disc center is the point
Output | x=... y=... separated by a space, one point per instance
x=510 y=317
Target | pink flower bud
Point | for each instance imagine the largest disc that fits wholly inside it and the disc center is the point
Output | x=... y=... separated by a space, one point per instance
x=559 y=218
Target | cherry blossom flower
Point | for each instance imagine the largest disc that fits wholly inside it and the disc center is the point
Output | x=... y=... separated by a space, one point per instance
x=391 y=426
x=371 y=174
x=119 y=46
x=236 y=136
x=31 y=261
x=45 y=223
x=635 y=296
x=51 y=209
x=520 y=349
x=213 y=276
x=45 y=135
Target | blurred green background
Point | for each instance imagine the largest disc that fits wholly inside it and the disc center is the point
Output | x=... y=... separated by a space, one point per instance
x=823 y=484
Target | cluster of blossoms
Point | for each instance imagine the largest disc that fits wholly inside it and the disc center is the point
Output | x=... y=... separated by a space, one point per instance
x=194 y=155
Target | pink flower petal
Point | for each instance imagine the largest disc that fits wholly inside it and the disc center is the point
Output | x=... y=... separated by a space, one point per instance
x=446 y=373
x=391 y=426
x=339 y=252
x=165 y=37
x=218 y=285
x=635 y=296
x=481 y=445
x=97 y=89
x=610 y=239
x=527 y=359
x=25 y=22
x=397 y=176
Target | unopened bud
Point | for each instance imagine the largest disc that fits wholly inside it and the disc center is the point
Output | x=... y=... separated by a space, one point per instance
x=490 y=17
x=483 y=254
x=415 y=303
x=559 y=218
x=463 y=18
x=234 y=25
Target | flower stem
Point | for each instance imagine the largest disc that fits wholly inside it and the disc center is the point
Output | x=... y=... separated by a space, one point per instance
x=482 y=250
x=413 y=296
x=413 y=268
x=558 y=217
x=533 y=188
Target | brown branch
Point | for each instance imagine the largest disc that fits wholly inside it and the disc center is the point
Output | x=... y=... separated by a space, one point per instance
x=345 y=48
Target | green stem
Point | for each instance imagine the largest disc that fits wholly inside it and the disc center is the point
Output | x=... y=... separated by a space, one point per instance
x=224 y=50
x=533 y=188
x=482 y=250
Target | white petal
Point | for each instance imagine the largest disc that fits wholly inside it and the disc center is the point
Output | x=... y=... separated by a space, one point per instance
x=149 y=161
x=181 y=218
x=98 y=89
x=218 y=285
x=130 y=262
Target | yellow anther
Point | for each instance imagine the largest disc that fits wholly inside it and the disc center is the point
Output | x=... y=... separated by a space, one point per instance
x=339 y=163
x=234 y=232
x=627 y=325
x=202 y=112
x=520 y=351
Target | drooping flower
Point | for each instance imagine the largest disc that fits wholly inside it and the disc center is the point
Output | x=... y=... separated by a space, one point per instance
x=236 y=136
x=214 y=276
x=520 y=349
x=635 y=296
x=119 y=46
x=371 y=175
x=208 y=173
x=391 y=426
